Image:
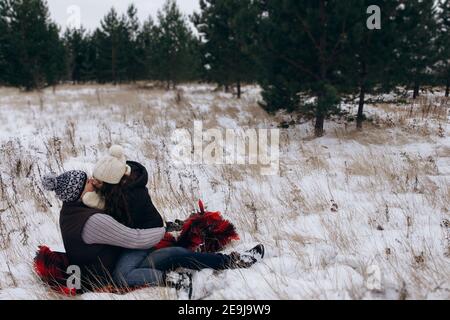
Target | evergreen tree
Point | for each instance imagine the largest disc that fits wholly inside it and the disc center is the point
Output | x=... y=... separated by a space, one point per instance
x=135 y=54
x=227 y=28
x=175 y=57
x=301 y=46
x=4 y=49
x=88 y=67
x=147 y=44
x=53 y=59
x=416 y=51
x=443 y=44
x=77 y=44
x=35 y=53
x=368 y=61
x=111 y=41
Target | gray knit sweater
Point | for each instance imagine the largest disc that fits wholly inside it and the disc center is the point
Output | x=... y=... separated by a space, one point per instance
x=104 y=229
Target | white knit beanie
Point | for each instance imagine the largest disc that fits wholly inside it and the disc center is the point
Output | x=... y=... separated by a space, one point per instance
x=113 y=167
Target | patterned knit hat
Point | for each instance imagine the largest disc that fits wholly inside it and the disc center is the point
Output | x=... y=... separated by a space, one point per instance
x=68 y=187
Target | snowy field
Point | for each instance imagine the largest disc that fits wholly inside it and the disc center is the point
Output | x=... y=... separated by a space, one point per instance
x=351 y=215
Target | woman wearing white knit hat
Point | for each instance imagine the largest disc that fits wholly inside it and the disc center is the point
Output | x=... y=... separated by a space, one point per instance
x=110 y=169
x=122 y=191
x=113 y=167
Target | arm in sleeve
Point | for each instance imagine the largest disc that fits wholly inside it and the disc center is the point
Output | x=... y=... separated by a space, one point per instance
x=104 y=229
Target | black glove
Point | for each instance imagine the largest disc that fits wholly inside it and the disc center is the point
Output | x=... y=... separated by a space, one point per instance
x=175 y=226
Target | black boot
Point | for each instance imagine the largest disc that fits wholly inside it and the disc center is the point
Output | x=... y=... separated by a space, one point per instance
x=181 y=281
x=248 y=258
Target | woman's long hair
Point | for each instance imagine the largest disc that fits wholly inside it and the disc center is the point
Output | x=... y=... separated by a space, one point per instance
x=116 y=202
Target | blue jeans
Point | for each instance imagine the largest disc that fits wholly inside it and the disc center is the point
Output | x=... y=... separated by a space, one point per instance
x=137 y=268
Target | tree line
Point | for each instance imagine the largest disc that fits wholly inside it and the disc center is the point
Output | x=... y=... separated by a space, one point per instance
x=305 y=54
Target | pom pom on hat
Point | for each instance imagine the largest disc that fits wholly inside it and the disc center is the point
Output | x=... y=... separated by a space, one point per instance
x=49 y=182
x=68 y=186
x=117 y=152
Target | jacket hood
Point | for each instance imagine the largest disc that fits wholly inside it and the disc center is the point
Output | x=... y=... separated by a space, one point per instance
x=139 y=175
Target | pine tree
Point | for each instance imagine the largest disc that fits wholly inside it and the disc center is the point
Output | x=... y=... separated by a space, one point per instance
x=76 y=42
x=175 y=56
x=443 y=44
x=88 y=67
x=135 y=54
x=111 y=44
x=416 y=52
x=227 y=28
x=4 y=49
x=368 y=61
x=302 y=44
x=35 y=52
x=53 y=59
x=147 y=44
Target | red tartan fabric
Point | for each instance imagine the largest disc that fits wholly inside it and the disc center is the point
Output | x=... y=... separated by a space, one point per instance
x=168 y=241
x=51 y=267
x=203 y=231
x=207 y=232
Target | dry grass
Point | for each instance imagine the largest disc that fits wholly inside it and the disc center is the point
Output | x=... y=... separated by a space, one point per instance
x=340 y=204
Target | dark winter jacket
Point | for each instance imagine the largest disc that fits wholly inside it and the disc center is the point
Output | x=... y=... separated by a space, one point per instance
x=143 y=213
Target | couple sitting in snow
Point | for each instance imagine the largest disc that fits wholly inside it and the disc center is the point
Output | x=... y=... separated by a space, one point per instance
x=110 y=227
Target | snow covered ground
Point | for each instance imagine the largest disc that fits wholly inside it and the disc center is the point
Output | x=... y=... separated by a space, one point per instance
x=351 y=215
